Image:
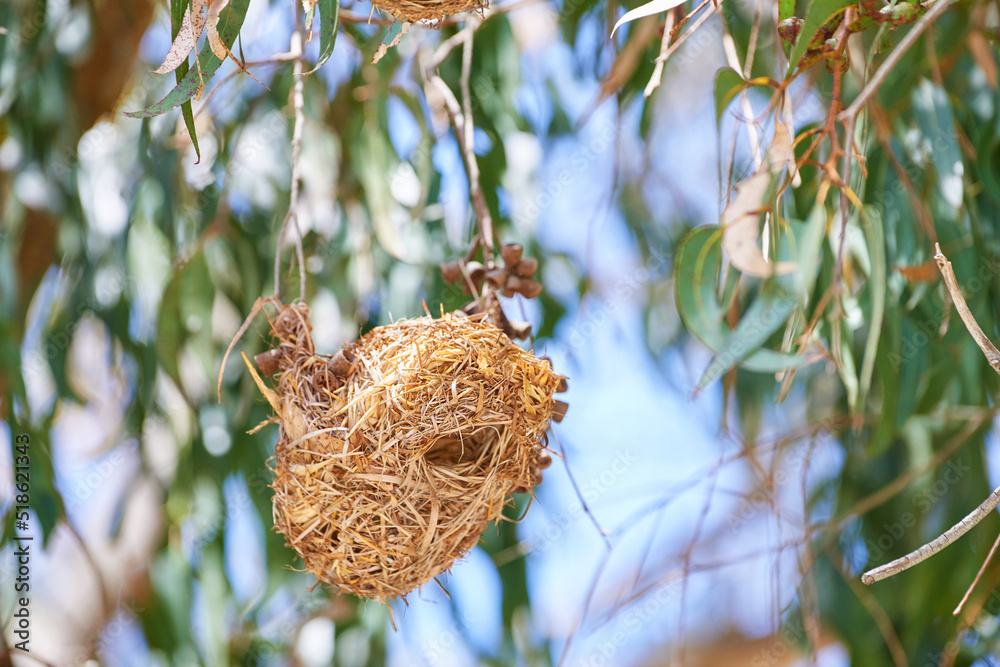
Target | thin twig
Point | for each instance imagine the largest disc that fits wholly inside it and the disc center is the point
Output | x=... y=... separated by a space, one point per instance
x=897 y=53
x=460 y=117
x=988 y=348
x=657 y=76
x=850 y=127
x=472 y=166
x=882 y=620
x=979 y=575
x=273 y=60
x=936 y=545
x=298 y=103
x=683 y=38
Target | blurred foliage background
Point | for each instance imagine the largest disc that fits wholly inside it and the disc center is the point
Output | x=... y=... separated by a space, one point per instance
x=771 y=436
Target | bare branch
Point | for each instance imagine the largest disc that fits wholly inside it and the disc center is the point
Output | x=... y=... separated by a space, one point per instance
x=936 y=545
x=988 y=348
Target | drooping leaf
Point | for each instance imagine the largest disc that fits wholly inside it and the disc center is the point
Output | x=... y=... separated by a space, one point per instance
x=188 y=295
x=329 y=12
x=876 y=285
x=392 y=37
x=180 y=49
x=231 y=21
x=696 y=279
x=766 y=314
x=728 y=83
x=740 y=219
x=648 y=9
x=933 y=112
x=187 y=112
x=215 y=41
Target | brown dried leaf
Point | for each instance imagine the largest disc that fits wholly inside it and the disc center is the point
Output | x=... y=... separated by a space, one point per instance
x=920 y=273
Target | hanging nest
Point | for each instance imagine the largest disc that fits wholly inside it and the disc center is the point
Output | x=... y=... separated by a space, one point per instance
x=411 y=11
x=397 y=452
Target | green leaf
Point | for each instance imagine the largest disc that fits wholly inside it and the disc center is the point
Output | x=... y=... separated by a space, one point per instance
x=230 y=22
x=728 y=83
x=329 y=12
x=786 y=9
x=696 y=278
x=176 y=15
x=875 y=240
x=819 y=12
x=188 y=295
x=768 y=312
x=933 y=112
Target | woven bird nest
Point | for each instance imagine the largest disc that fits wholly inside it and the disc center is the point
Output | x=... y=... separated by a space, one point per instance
x=412 y=11
x=397 y=452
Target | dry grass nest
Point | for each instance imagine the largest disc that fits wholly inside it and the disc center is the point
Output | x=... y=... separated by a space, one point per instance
x=397 y=452
x=428 y=10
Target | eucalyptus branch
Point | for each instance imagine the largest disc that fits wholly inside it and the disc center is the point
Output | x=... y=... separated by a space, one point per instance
x=988 y=505
x=936 y=545
x=894 y=57
x=989 y=349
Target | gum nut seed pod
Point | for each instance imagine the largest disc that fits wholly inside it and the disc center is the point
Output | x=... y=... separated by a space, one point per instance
x=511 y=253
x=496 y=277
x=526 y=267
x=530 y=288
x=340 y=363
x=268 y=362
x=544 y=461
x=559 y=410
x=514 y=283
x=563 y=386
x=451 y=272
x=476 y=271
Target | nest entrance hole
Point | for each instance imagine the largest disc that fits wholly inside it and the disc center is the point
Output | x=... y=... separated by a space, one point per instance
x=464 y=452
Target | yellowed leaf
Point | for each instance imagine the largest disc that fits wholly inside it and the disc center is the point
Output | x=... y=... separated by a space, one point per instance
x=740 y=232
x=215 y=42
